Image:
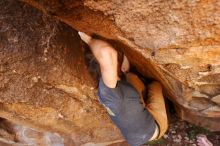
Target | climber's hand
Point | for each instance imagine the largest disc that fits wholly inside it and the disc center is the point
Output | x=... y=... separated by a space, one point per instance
x=100 y=49
x=94 y=44
x=86 y=38
x=106 y=56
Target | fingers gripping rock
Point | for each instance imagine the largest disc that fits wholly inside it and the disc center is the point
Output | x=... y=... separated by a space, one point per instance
x=86 y=38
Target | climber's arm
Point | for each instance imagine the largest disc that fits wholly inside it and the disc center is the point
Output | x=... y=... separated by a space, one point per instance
x=106 y=57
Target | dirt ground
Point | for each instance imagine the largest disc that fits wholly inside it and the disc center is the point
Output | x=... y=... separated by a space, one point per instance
x=181 y=133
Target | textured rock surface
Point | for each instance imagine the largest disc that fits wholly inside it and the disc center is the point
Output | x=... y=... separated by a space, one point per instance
x=44 y=82
x=176 y=42
x=15 y=134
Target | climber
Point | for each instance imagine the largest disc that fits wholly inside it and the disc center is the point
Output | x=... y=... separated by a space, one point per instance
x=139 y=122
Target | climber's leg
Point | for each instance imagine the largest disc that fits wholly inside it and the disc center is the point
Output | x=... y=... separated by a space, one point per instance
x=156 y=102
x=137 y=84
x=125 y=66
x=156 y=106
x=106 y=57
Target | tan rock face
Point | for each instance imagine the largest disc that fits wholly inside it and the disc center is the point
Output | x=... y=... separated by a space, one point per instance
x=15 y=134
x=176 y=42
x=45 y=83
x=216 y=99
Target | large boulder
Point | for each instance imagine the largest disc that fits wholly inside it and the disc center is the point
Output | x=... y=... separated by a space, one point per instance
x=175 y=42
x=44 y=80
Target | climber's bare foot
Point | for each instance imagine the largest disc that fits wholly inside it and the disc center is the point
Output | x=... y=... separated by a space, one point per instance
x=125 y=66
x=203 y=141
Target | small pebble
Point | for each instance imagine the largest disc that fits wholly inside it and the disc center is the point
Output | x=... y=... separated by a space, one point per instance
x=177 y=140
x=165 y=136
x=60 y=115
x=186 y=138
